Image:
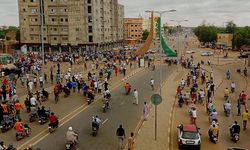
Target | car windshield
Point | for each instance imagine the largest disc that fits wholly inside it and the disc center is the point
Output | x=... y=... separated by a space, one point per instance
x=190 y=135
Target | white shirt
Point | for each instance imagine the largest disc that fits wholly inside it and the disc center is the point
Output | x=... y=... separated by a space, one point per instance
x=233 y=85
x=194 y=114
x=41 y=79
x=136 y=94
x=152 y=82
x=202 y=94
x=95 y=84
x=30 y=84
x=33 y=101
x=227 y=106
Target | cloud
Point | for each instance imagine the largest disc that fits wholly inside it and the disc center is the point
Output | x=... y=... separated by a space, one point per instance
x=213 y=11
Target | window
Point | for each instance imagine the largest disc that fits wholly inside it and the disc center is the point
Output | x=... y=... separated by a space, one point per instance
x=89 y=1
x=53 y=0
x=132 y=25
x=135 y=25
x=77 y=29
x=135 y=30
x=132 y=35
x=90 y=29
x=24 y=10
x=90 y=38
x=52 y=10
x=55 y=38
x=66 y=19
x=33 y=10
x=61 y=19
x=53 y=19
x=89 y=19
x=32 y=1
x=44 y=38
x=31 y=29
x=33 y=19
x=132 y=30
x=89 y=9
x=55 y=29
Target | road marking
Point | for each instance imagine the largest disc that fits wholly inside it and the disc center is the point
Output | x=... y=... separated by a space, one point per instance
x=72 y=115
x=105 y=121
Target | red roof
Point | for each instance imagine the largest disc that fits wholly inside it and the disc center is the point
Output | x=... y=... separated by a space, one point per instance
x=189 y=128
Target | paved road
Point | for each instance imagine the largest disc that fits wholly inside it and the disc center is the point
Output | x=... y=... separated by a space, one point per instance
x=122 y=112
x=181 y=115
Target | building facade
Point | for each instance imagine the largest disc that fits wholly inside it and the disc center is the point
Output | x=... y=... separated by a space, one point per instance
x=71 y=24
x=225 y=40
x=133 y=29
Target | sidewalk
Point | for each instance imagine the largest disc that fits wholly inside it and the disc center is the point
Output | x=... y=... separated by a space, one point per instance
x=145 y=138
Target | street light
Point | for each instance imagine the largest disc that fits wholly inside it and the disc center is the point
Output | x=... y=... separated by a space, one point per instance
x=161 y=51
x=42 y=36
x=179 y=23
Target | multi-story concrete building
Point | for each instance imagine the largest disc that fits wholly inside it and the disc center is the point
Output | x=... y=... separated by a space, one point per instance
x=71 y=24
x=133 y=29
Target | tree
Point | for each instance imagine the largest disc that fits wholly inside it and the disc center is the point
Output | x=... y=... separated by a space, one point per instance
x=242 y=36
x=231 y=27
x=207 y=33
x=145 y=34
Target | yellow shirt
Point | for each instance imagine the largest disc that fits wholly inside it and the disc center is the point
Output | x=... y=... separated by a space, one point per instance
x=245 y=116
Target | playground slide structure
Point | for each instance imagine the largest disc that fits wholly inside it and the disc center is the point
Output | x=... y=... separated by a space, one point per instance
x=144 y=48
x=169 y=52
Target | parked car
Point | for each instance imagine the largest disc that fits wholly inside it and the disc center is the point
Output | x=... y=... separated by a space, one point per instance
x=207 y=53
x=190 y=51
x=236 y=148
x=189 y=137
x=244 y=55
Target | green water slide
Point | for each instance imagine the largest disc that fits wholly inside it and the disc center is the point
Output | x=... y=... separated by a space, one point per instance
x=169 y=52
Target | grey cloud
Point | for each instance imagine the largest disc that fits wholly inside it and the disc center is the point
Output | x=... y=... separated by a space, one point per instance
x=213 y=11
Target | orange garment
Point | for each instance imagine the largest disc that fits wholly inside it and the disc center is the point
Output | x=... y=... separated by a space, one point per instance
x=126 y=86
x=7 y=89
x=18 y=126
x=5 y=108
x=17 y=106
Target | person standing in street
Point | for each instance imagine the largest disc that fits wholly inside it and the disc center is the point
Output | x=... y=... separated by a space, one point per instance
x=145 y=111
x=136 y=96
x=152 y=83
x=245 y=118
x=120 y=133
x=131 y=141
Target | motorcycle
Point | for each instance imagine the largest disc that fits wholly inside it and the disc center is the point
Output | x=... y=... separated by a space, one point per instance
x=52 y=128
x=26 y=133
x=227 y=112
x=214 y=138
x=238 y=70
x=105 y=106
x=11 y=147
x=33 y=117
x=232 y=90
x=7 y=123
x=235 y=137
x=43 y=120
x=70 y=145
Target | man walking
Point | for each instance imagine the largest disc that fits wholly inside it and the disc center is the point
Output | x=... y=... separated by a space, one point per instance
x=145 y=111
x=131 y=141
x=136 y=97
x=120 y=133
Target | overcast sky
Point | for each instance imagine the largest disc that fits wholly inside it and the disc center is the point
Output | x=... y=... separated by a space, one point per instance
x=196 y=11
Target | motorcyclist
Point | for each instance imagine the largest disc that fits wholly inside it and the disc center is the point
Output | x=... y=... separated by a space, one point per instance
x=233 y=87
x=180 y=99
x=45 y=94
x=42 y=113
x=227 y=107
x=235 y=128
x=19 y=127
x=53 y=120
x=96 y=122
x=228 y=74
x=107 y=94
x=213 y=131
x=71 y=136
x=213 y=116
x=2 y=146
x=245 y=71
x=127 y=87
x=226 y=93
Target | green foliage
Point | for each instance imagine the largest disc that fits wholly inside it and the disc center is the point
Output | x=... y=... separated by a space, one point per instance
x=10 y=28
x=231 y=27
x=207 y=33
x=242 y=36
x=145 y=34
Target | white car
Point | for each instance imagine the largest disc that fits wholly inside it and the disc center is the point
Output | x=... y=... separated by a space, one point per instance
x=207 y=53
x=190 y=52
x=189 y=137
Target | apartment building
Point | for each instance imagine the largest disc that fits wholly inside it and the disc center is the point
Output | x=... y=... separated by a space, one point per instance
x=71 y=24
x=133 y=29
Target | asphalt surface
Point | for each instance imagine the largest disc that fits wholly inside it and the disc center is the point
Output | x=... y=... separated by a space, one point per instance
x=122 y=112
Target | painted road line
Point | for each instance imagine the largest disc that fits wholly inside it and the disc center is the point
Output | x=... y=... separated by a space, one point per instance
x=105 y=121
x=72 y=115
